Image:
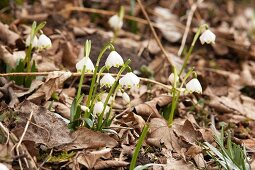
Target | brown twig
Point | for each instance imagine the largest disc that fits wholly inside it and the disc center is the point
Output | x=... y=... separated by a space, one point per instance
x=190 y=16
x=79 y=74
x=154 y=33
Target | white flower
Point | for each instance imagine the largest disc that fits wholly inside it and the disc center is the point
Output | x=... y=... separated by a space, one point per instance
x=34 y=41
x=3 y=167
x=194 y=86
x=126 y=97
x=129 y=80
x=207 y=37
x=115 y=22
x=171 y=78
x=114 y=60
x=103 y=96
x=84 y=108
x=107 y=80
x=44 y=42
x=99 y=107
x=85 y=61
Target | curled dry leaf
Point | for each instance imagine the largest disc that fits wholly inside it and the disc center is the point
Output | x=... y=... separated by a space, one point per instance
x=149 y=109
x=180 y=138
x=53 y=82
x=98 y=159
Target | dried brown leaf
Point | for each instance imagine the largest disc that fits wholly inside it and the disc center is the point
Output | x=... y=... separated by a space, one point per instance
x=53 y=82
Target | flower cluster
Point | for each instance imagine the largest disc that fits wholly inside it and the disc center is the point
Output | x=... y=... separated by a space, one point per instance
x=104 y=100
x=43 y=42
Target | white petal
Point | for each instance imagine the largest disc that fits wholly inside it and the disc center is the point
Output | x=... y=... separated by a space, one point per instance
x=85 y=61
x=194 y=86
x=207 y=37
x=44 y=42
x=129 y=80
x=114 y=60
x=3 y=167
x=84 y=108
x=34 y=41
x=107 y=80
x=103 y=96
x=171 y=78
x=99 y=107
x=126 y=97
x=115 y=22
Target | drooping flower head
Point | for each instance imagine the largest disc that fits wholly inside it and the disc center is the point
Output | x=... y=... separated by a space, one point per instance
x=44 y=42
x=85 y=61
x=114 y=60
x=34 y=42
x=194 y=86
x=107 y=80
x=99 y=107
x=129 y=80
x=207 y=37
x=115 y=22
x=171 y=78
x=126 y=97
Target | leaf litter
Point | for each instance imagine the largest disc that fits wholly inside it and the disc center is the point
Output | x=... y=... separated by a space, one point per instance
x=226 y=70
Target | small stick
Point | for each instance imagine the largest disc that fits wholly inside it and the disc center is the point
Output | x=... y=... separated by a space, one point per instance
x=190 y=16
x=155 y=34
x=75 y=74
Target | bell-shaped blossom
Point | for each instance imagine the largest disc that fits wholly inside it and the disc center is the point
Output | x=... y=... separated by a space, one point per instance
x=99 y=107
x=115 y=22
x=34 y=42
x=171 y=78
x=85 y=61
x=44 y=42
x=129 y=80
x=84 y=108
x=207 y=37
x=103 y=96
x=126 y=97
x=194 y=86
x=114 y=60
x=107 y=80
x=3 y=167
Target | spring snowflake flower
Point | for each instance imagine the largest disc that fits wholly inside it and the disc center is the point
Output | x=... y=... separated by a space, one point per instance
x=129 y=80
x=85 y=61
x=126 y=97
x=107 y=80
x=34 y=41
x=171 y=78
x=44 y=42
x=194 y=86
x=3 y=167
x=115 y=22
x=99 y=107
x=114 y=60
x=84 y=108
x=103 y=96
x=207 y=37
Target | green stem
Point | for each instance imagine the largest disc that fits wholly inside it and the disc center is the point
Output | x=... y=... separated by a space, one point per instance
x=138 y=146
x=174 y=99
x=191 y=48
x=28 y=57
x=95 y=71
x=80 y=83
x=113 y=88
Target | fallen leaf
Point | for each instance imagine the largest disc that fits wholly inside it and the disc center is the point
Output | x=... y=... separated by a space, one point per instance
x=53 y=82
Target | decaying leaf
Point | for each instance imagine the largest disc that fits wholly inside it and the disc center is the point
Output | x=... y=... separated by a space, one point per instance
x=53 y=82
x=52 y=132
x=149 y=109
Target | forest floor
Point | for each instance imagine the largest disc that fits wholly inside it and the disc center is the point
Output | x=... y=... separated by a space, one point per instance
x=34 y=131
